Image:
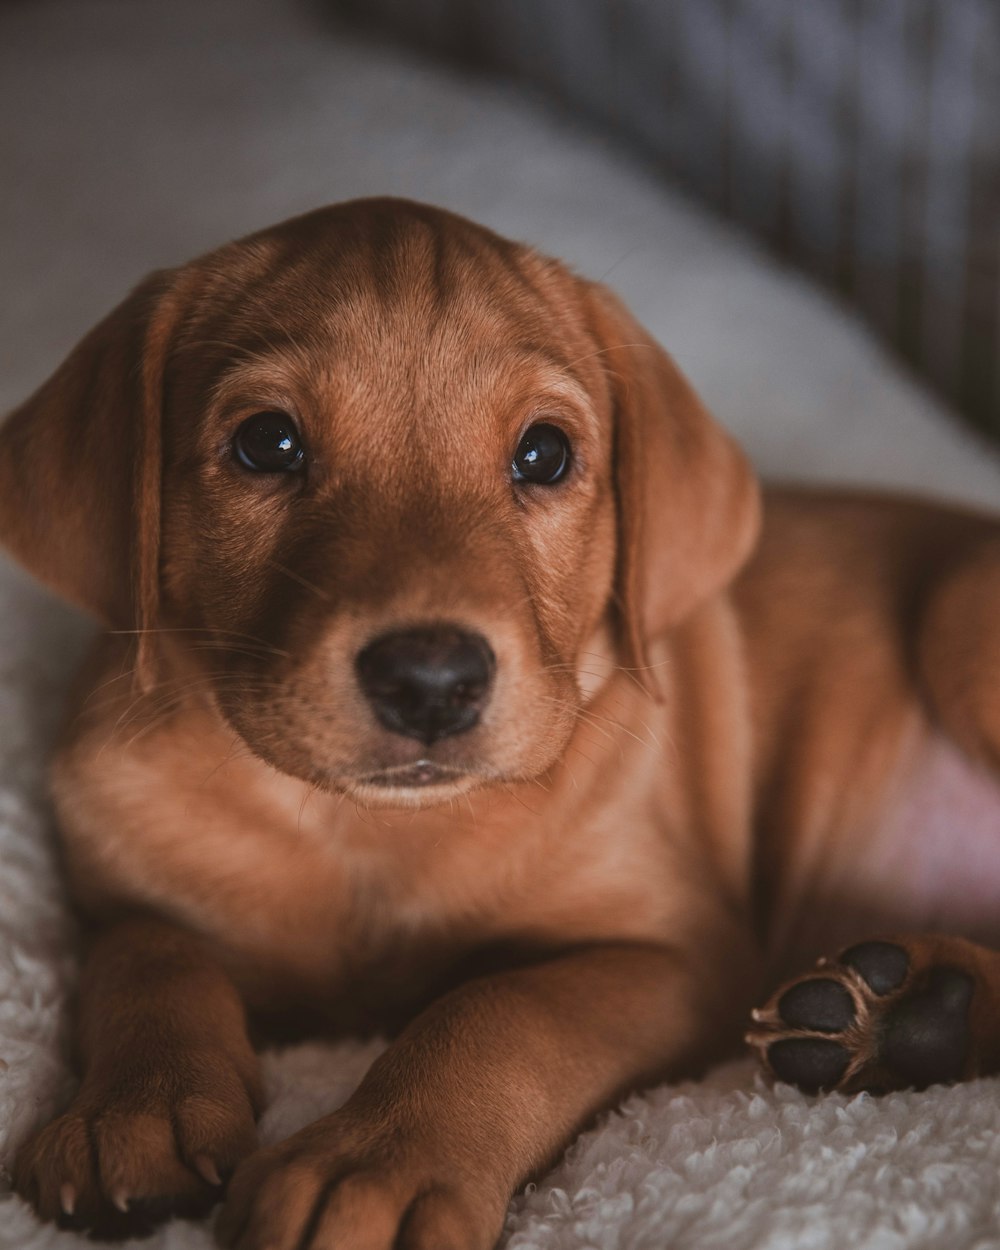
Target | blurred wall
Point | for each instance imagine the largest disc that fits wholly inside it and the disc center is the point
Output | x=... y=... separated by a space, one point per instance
x=860 y=139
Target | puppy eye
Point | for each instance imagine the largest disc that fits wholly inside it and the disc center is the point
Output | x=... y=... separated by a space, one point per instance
x=268 y=442
x=542 y=456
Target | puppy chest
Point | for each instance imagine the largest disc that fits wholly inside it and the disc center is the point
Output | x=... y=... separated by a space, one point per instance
x=364 y=916
x=366 y=943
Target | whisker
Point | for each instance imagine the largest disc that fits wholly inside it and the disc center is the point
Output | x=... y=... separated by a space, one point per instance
x=601 y=351
x=230 y=648
x=173 y=685
x=303 y=581
x=158 y=705
x=311 y=789
x=472 y=810
x=617 y=724
x=229 y=755
x=157 y=716
x=572 y=746
x=580 y=712
x=508 y=789
x=200 y=629
x=104 y=684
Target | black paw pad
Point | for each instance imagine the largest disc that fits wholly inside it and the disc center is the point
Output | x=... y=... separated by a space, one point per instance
x=811 y=1063
x=819 y=1004
x=927 y=1035
x=882 y=965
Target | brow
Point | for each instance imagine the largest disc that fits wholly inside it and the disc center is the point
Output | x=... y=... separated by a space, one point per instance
x=557 y=378
x=262 y=373
x=547 y=357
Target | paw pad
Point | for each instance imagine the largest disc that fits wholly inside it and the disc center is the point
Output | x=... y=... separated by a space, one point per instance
x=811 y=1063
x=881 y=965
x=821 y=1004
x=873 y=1019
x=927 y=1035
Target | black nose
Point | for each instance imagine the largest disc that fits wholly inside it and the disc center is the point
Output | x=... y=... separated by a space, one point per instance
x=428 y=682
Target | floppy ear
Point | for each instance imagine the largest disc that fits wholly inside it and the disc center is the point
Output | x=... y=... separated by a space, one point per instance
x=80 y=466
x=688 y=500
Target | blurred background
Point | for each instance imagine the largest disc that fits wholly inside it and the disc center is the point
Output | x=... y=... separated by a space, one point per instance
x=800 y=197
x=859 y=139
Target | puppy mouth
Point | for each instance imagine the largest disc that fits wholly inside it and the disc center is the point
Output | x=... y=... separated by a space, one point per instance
x=414 y=785
x=417 y=775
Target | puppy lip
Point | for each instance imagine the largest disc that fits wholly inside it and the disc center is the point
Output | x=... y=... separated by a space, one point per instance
x=407 y=776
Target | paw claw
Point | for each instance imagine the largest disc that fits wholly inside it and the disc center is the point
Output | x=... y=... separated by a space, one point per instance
x=207 y=1169
x=766 y=1019
x=121 y=1160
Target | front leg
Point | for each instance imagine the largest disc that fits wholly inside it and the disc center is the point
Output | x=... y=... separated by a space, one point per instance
x=169 y=1089
x=481 y=1091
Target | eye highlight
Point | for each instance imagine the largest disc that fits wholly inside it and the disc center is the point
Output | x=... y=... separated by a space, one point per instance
x=268 y=442
x=543 y=455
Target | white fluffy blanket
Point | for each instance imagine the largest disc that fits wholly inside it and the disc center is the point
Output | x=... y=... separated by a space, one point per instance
x=139 y=133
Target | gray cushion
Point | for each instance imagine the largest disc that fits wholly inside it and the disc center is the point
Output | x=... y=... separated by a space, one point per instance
x=861 y=140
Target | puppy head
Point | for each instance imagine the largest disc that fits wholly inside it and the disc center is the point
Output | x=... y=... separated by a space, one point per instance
x=382 y=477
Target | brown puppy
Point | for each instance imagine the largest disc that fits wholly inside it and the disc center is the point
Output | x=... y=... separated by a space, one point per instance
x=431 y=705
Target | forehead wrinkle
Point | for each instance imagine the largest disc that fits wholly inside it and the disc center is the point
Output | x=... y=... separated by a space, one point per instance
x=414 y=260
x=419 y=265
x=418 y=275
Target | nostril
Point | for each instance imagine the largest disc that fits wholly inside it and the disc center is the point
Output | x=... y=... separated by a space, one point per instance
x=427 y=682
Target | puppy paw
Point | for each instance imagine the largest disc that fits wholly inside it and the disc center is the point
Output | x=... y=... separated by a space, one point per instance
x=883 y=1015
x=126 y=1157
x=338 y=1184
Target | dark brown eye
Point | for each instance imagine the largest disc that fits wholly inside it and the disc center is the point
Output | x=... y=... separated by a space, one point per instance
x=542 y=456
x=268 y=442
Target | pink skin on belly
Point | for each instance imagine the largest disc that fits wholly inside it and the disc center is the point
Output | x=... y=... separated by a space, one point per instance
x=930 y=862
x=937 y=854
